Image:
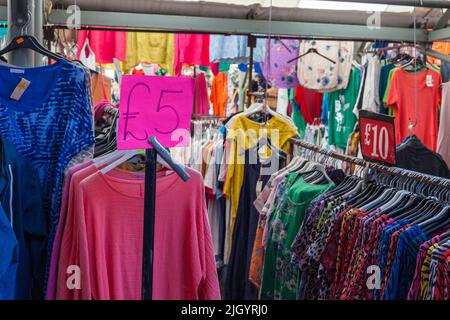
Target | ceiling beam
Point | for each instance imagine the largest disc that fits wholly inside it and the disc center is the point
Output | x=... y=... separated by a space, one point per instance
x=439 y=35
x=191 y=24
x=443 y=4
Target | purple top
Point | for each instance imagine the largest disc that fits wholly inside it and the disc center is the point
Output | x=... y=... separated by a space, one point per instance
x=279 y=73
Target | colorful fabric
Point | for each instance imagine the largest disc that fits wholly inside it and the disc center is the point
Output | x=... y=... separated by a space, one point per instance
x=107 y=246
x=341 y=103
x=310 y=102
x=279 y=73
x=402 y=271
x=153 y=48
x=192 y=49
x=234 y=49
x=50 y=125
x=402 y=99
x=318 y=73
x=414 y=290
x=281 y=277
x=106 y=45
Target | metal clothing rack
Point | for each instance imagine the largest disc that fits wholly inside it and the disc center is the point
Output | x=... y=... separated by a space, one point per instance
x=394 y=171
x=207 y=117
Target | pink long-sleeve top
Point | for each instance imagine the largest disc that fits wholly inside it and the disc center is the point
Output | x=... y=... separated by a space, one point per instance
x=107 y=232
x=191 y=49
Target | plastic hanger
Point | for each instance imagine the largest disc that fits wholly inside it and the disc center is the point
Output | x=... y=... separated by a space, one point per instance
x=108 y=158
x=444 y=237
x=370 y=197
x=30 y=42
x=127 y=155
x=378 y=201
x=439 y=221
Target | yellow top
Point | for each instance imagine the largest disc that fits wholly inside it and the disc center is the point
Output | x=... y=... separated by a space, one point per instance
x=157 y=48
x=245 y=134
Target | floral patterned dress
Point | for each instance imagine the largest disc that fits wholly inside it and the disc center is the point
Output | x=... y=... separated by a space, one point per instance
x=280 y=276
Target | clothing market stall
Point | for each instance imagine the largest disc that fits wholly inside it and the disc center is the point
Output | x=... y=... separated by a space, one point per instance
x=284 y=234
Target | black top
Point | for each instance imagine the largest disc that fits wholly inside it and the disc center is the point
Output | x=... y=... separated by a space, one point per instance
x=414 y=155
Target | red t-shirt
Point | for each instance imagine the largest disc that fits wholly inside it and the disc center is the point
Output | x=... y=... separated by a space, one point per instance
x=401 y=98
x=310 y=103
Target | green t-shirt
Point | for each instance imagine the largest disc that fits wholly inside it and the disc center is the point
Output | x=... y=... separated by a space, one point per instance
x=280 y=276
x=297 y=115
x=341 y=104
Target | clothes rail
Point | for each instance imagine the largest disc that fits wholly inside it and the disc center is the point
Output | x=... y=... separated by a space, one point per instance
x=394 y=171
x=207 y=117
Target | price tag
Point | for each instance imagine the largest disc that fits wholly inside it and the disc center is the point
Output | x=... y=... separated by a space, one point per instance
x=377 y=137
x=154 y=105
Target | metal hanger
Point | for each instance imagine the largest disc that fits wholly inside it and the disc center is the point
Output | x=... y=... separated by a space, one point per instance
x=312 y=50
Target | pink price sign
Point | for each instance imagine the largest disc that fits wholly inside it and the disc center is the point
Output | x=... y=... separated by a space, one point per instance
x=153 y=105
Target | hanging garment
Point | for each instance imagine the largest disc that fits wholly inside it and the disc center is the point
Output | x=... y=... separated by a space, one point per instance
x=318 y=73
x=441 y=47
x=219 y=94
x=237 y=283
x=101 y=88
x=191 y=49
x=297 y=116
x=280 y=276
x=384 y=75
x=21 y=205
x=443 y=144
x=155 y=48
x=74 y=176
x=234 y=49
x=282 y=101
x=414 y=155
x=264 y=203
x=51 y=125
x=66 y=39
x=201 y=99
x=341 y=117
x=401 y=99
x=106 y=45
x=279 y=73
x=370 y=98
x=310 y=103
x=414 y=290
x=108 y=247
x=445 y=71
x=244 y=135
x=8 y=259
x=87 y=56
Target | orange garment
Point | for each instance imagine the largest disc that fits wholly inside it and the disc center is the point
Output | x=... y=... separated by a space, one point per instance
x=219 y=94
x=98 y=94
x=401 y=98
x=441 y=47
x=257 y=260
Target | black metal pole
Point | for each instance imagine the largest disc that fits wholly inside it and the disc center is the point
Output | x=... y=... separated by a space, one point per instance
x=149 y=224
x=251 y=43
